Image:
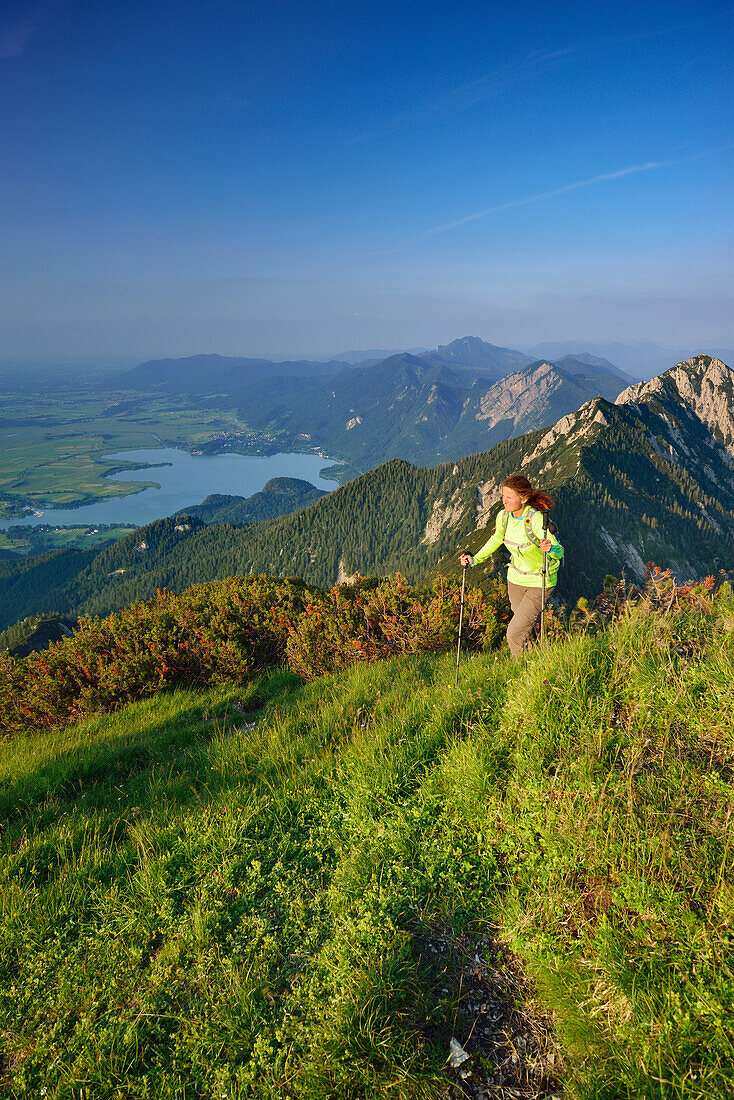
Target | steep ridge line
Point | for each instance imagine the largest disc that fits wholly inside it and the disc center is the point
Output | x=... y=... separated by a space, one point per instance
x=643 y=479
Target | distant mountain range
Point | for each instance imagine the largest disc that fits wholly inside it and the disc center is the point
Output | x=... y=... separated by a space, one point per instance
x=410 y=407
x=455 y=400
x=647 y=477
x=641 y=359
x=373 y=355
x=197 y=374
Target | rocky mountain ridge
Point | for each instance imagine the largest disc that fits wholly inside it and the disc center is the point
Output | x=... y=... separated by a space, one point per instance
x=530 y=397
x=703 y=384
x=644 y=479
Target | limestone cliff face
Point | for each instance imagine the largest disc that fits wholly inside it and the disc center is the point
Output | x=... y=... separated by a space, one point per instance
x=445 y=513
x=703 y=385
x=518 y=395
x=538 y=396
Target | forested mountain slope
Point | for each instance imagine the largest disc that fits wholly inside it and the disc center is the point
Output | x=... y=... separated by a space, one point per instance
x=458 y=399
x=639 y=481
x=278 y=497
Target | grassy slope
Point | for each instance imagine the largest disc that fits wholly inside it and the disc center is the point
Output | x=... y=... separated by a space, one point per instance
x=200 y=899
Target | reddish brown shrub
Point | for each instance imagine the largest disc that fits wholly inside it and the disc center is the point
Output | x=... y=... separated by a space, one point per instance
x=224 y=630
x=228 y=631
x=370 y=624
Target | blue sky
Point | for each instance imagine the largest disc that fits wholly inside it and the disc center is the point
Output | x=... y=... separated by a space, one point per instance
x=304 y=178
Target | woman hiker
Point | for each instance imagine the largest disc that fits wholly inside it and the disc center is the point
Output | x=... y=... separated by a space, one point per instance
x=520 y=527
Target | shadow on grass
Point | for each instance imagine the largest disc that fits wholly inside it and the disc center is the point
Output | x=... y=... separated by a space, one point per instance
x=170 y=733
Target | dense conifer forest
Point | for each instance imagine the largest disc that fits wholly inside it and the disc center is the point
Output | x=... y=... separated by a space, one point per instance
x=633 y=483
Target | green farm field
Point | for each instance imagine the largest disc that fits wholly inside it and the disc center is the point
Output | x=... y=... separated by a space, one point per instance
x=22 y=540
x=53 y=444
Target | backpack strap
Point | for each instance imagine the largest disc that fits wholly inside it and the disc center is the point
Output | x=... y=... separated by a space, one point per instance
x=548 y=525
x=513 y=547
x=529 y=527
x=530 y=536
x=532 y=539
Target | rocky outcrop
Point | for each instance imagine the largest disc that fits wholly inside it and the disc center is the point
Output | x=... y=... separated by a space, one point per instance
x=488 y=494
x=538 y=396
x=518 y=395
x=571 y=429
x=703 y=385
x=343 y=577
x=444 y=513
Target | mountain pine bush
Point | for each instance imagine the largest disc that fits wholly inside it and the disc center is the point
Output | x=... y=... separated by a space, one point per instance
x=227 y=631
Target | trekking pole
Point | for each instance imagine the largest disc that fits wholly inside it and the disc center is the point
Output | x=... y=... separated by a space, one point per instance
x=461 y=621
x=542 y=598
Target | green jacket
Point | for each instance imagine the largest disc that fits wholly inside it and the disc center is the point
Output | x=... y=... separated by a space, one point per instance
x=521 y=537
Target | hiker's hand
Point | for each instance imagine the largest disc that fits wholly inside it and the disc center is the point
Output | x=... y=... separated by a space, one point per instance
x=545 y=545
x=466 y=559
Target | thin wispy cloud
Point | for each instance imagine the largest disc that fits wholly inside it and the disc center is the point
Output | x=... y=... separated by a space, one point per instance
x=14 y=39
x=497 y=82
x=659 y=32
x=604 y=177
x=540 y=62
x=500 y=80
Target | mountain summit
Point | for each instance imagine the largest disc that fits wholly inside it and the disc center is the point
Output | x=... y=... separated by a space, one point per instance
x=471 y=353
x=703 y=385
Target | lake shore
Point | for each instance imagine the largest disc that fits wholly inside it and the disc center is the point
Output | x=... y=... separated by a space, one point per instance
x=185 y=480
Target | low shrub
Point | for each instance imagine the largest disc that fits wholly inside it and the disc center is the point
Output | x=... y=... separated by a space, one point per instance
x=228 y=631
x=224 y=630
x=373 y=622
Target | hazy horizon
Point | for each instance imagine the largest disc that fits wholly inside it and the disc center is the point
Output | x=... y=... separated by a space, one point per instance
x=643 y=355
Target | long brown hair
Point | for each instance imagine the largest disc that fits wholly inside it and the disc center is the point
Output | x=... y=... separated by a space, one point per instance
x=535 y=498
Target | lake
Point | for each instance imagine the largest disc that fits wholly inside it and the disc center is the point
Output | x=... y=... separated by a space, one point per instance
x=185 y=482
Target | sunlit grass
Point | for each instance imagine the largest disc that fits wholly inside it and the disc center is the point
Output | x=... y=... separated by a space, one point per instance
x=219 y=893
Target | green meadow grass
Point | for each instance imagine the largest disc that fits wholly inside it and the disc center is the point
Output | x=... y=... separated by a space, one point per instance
x=220 y=894
x=34 y=541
